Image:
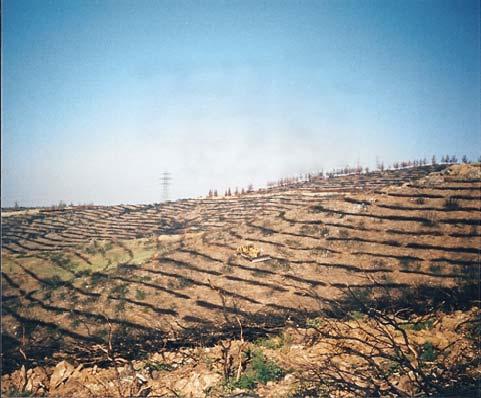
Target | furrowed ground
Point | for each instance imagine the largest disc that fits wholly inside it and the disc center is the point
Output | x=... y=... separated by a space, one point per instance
x=392 y=258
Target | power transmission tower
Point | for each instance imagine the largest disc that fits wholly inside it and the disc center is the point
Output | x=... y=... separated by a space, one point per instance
x=165 y=180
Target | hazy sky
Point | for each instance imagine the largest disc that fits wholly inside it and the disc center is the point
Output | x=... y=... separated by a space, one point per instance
x=100 y=97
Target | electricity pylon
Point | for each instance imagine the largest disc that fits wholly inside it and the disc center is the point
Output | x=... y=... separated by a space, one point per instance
x=165 y=180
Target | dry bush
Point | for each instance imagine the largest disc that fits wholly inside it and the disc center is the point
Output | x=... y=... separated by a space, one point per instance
x=376 y=352
x=420 y=200
x=430 y=219
x=451 y=203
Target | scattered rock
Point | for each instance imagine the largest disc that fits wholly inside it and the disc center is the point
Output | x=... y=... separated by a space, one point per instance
x=141 y=378
x=405 y=384
x=37 y=381
x=197 y=384
x=61 y=373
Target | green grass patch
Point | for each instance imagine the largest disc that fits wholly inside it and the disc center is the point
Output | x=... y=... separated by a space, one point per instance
x=355 y=315
x=159 y=366
x=314 y=323
x=272 y=343
x=42 y=267
x=429 y=352
x=259 y=370
x=421 y=325
x=108 y=255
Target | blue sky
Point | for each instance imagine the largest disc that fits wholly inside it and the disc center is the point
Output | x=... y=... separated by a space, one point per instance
x=100 y=97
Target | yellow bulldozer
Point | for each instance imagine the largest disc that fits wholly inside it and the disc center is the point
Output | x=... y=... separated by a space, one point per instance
x=252 y=253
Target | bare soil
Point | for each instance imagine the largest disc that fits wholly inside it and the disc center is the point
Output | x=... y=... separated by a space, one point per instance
x=90 y=285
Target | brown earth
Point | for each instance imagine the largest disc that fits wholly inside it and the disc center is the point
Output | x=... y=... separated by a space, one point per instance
x=95 y=285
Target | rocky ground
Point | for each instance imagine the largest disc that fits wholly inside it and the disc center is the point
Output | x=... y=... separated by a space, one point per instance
x=360 y=355
x=367 y=285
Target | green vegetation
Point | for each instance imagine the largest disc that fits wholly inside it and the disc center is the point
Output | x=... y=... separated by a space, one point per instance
x=259 y=370
x=62 y=261
x=356 y=315
x=120 y=306
x=272 y=343
x=314 y=323
x=429 y=353
x=121 y=290
x=83 y=273
x=140 y=294
x=97 y=277
x=159 y=366
x=423 y=325
x=420 y=325
x=108 y=254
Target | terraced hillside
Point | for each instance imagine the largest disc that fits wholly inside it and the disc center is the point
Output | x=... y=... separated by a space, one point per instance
x=52 y=230
x=136 y=277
